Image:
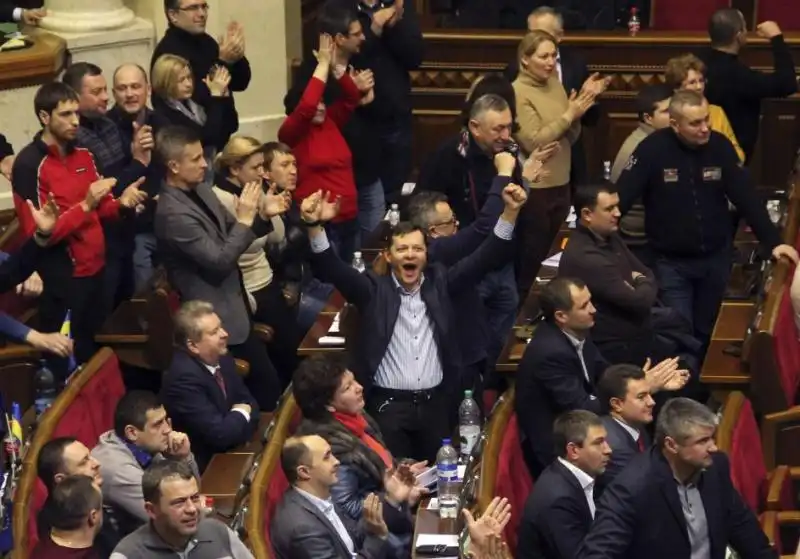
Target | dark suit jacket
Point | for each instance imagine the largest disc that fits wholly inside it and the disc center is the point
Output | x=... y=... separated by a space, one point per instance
x=574 y=73
x=473 y=330
x=378 y=303
x=201 y=255
x=300 y=531
x=7 y=13
x=623 y=450
x=198 y=407
x=550 y=381
x=640 y=515
x=556 y=516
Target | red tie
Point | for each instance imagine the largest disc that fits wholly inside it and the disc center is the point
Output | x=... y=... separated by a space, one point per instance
x=640 y=443
x=220 y=381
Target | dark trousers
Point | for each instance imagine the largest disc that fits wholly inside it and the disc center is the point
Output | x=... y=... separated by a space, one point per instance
x=542 y=217
x=473 y=378
x=498 y=291
x=413 y=423
x=695 y=287
x=395 y=142
x=262 y=381
x=345 y=237
x=84 y=299
x=272 y=309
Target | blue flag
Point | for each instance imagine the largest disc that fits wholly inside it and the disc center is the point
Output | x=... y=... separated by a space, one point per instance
x=66 y=330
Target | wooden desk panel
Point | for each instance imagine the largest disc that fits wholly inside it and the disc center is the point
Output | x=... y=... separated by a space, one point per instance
x=733 y=320
x=428 y=522
x=310 y=344
x=37 y=65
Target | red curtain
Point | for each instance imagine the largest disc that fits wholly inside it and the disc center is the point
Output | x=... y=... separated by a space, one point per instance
x=684 y=15
x=785 y=12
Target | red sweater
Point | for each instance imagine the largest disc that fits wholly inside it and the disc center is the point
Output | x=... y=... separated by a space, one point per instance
x=324 y=161
x=40 y=170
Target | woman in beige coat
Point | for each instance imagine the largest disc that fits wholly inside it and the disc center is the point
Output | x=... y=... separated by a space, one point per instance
x=545 y=113
x=239 y=163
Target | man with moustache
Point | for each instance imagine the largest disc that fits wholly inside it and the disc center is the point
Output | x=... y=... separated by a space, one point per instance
x=177 y=526
x=625 y=392
x=131 y=114
x=561 y=508
x=73 y=268
x=677 y=500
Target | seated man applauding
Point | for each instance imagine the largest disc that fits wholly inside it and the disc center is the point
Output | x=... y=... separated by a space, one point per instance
x=307 y=524
x=142 y=435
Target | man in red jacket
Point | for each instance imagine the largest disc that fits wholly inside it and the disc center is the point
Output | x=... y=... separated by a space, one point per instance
x=324 y=161
x=72 y=267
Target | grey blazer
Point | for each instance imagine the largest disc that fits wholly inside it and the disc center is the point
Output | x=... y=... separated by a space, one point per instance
x=300 y=531
x=201 y=255
x=623 y=450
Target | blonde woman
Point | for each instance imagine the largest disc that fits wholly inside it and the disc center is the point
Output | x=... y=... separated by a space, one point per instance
x=689 y=72
x=173 y=85
x=545 y=114
x=242 y=162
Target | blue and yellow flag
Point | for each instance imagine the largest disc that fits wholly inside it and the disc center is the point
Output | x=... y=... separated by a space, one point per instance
x=66 y=330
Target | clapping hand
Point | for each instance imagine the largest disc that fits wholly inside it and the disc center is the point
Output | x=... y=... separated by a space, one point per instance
x=273 y=203
x=372 y=513
x=143 y=143
x=132 y=196
x=492 y=523
x=217 y=81
x=364 y=79
x=533 y=169
x=595 y=84
x=319 y=207
x=247 y=204
x=231 y=45
x=579 y=103
x=327 y=46
x=666 y=375
x=45 y=217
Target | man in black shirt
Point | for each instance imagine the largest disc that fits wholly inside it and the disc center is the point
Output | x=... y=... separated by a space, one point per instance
x=186 y=37
x=685 y=175
x=736 y=87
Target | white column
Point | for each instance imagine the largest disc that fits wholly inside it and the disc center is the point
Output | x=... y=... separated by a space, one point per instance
x=80 y=16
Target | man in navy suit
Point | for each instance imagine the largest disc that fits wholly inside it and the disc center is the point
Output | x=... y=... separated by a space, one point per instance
x=561 y=367
x=560 y=511
x=625 y=391
x=204 y=395
x=677 y=500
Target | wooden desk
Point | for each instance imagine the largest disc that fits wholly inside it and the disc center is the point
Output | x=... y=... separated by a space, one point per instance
x=724 y=372
x=37 y=65
x=428 y=522
x=335 y=303
x=310 y=344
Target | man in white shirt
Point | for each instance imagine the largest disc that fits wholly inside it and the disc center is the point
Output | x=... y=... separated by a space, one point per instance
x=560 y=510
x=307 y=525
x=626 y=391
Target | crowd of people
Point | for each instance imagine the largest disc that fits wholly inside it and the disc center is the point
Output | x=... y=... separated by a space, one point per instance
x=613 y=419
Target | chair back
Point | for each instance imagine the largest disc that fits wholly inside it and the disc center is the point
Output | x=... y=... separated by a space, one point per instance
x=84 y=410
x=504 y=472
x=269 y=482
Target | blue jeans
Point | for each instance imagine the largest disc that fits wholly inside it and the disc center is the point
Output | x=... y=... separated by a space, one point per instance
x=499 y=293
x=695 y=287
x=313 y=299
x=371 y=207
x=143 y=250
x=345 y=238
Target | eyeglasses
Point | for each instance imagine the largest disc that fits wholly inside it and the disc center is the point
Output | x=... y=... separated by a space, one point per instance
x=451 y=221
x=195 y=8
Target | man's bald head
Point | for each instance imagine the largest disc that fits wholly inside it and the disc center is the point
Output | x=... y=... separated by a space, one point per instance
x=547 y=19
x=131 y=88
x=308 y=459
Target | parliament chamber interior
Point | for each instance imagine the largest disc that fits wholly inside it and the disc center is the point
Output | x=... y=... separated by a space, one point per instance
x=748 y=370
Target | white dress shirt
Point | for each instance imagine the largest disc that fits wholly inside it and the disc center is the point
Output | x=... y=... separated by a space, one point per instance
x=578 y=344
x=633 y=432
x=584 y=480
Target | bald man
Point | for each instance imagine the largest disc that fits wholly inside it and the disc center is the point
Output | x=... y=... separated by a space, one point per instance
x=307 y=524
x=573 y=74
x=131 y=90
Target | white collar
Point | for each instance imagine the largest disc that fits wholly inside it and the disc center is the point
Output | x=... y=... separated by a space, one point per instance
x=325 y=505
x=633 y=432
x=584 y=480
x=211 y=368
x=575 y=341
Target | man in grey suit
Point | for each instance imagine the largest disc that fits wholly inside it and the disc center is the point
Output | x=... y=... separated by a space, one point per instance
x=200 y=243
x=625 y=390
x=307 y=525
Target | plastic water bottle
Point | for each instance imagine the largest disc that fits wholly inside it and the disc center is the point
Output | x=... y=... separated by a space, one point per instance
x=45 y=383
x=394 y=215
x=634 y=25
x=358 y=262
x=469 y=425
x=607 y=171
x=447 y=486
